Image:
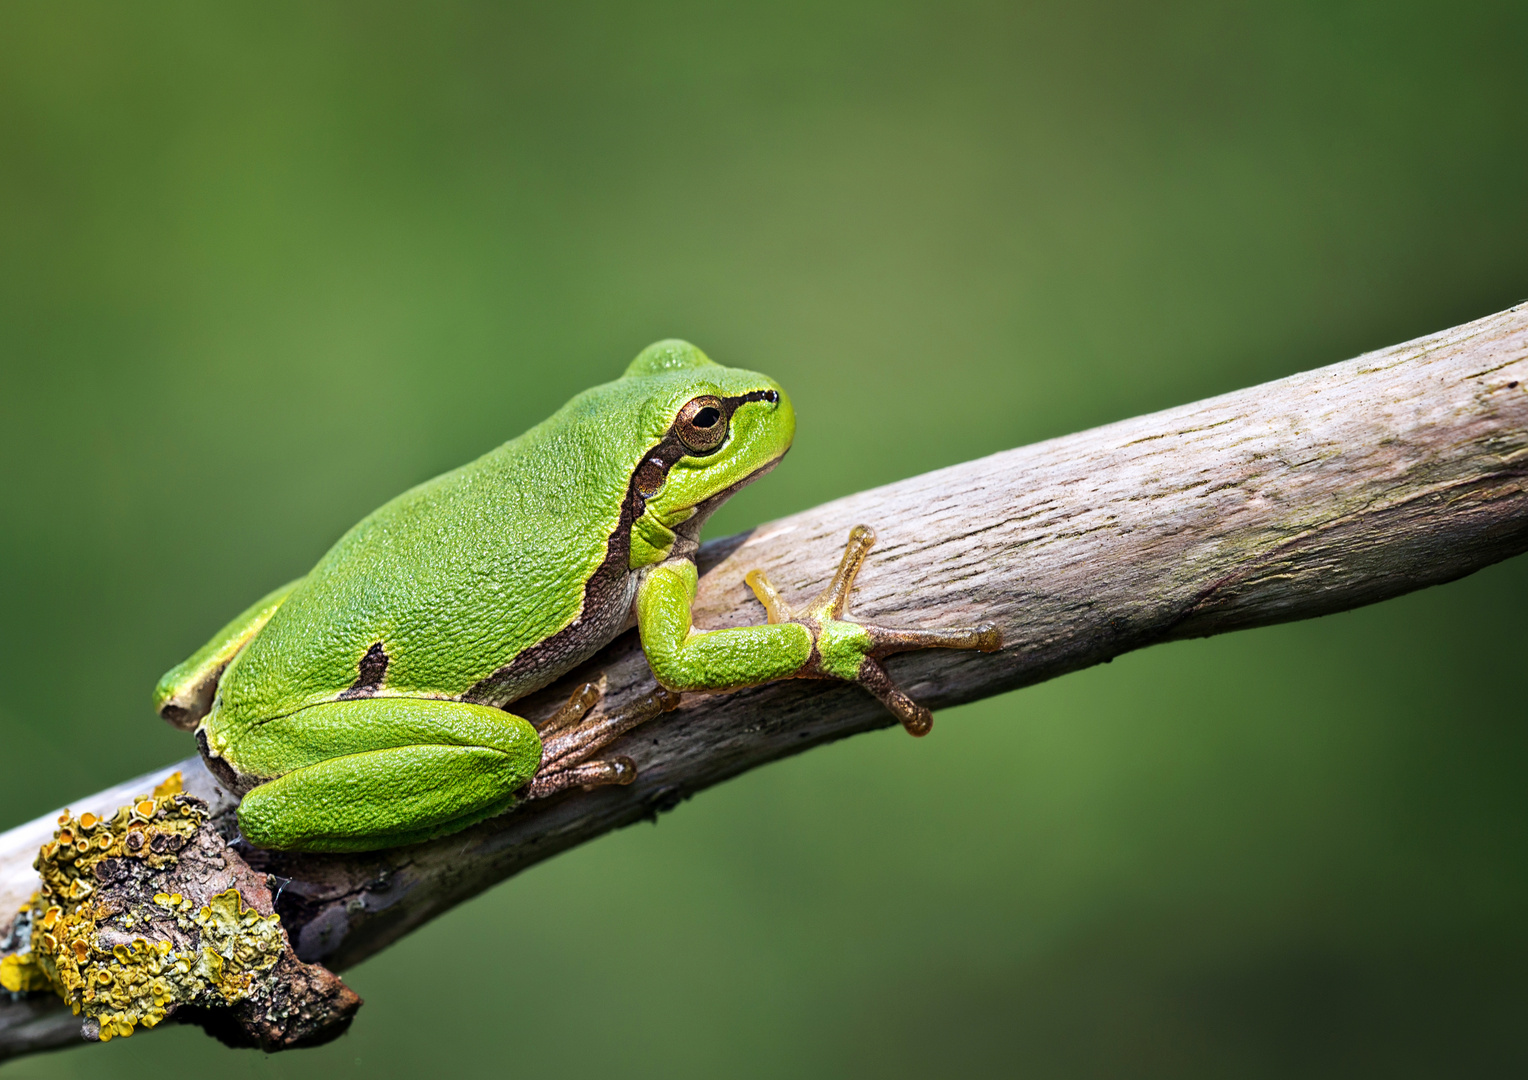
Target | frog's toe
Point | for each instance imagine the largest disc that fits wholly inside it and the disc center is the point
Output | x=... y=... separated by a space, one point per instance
x=914 y=717
x=776 y=610
x=590 y=774
x=586 y=697
x=833 y=601
x=887 y=641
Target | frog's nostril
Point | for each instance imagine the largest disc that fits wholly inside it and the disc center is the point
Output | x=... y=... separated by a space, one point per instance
x=772 y=396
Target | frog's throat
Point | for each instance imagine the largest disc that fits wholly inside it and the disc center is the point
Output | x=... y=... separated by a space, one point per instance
x=655 y=540
x=688 y=531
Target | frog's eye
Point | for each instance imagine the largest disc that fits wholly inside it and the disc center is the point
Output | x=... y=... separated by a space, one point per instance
x=702 y=424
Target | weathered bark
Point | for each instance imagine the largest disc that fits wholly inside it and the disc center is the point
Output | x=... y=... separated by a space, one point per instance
x=1320 y=492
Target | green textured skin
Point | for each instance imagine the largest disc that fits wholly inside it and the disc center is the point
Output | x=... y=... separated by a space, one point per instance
x=842 y=647
x=363 y=705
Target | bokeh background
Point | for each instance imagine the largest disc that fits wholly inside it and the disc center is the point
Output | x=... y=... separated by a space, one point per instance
x=264 y=265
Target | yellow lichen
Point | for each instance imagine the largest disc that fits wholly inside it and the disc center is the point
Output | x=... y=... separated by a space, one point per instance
x=20 y=975
x=124 y=984
x=170 y=785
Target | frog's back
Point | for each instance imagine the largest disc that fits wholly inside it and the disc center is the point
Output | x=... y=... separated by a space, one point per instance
x=482 y=584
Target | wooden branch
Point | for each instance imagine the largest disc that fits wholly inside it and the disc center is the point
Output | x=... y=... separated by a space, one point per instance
x=1320 y=492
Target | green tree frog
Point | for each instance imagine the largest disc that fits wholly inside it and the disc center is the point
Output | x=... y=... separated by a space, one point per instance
x=365 y=705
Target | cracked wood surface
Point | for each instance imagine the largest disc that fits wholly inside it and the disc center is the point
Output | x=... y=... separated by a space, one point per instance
x=1324 y=491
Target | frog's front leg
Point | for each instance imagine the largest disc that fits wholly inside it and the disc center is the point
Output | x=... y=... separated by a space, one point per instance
x=821 y=641
x=383 y=772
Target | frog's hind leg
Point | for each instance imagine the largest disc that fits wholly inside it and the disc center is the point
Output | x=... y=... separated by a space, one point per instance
x=568 y=740
x=381 y=772
x=371 y=773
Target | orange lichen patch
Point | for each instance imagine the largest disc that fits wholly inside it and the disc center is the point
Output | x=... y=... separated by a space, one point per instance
x=170 y=785
x=122 y=985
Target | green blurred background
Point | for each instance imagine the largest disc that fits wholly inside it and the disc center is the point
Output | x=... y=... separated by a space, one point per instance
x=262 y=266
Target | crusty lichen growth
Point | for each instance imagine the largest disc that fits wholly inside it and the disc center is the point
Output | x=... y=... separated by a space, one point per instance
x=17 y=972
x=202 y=954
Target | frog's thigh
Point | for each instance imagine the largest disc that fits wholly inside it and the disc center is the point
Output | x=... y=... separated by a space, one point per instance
x=381 y=772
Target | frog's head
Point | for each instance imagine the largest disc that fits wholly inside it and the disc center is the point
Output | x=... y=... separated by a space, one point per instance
x=717 y=429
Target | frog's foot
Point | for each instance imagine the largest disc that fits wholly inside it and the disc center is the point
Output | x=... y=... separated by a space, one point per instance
x=568 y=740
x=847 y=649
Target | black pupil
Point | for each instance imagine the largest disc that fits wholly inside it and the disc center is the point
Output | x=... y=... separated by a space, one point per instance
x=707 y=417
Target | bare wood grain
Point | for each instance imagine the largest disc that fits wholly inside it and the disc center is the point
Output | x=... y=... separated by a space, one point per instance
x=1320 y=492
